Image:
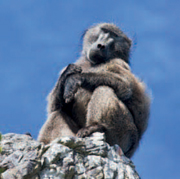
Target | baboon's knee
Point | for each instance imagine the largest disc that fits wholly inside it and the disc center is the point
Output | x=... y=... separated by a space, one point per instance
x=103 y=91
x=106 y=97
x=103 y=104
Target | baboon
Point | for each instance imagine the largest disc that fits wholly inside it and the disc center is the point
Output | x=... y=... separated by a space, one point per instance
x=99 y=93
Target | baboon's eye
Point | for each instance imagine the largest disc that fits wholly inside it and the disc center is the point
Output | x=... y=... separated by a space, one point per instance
x=112 y=34
x=93 y=38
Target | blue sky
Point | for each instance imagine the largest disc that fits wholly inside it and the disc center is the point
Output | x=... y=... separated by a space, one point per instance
x=39 y=37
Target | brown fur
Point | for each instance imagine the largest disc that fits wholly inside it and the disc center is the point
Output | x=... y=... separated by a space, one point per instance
x=95 y=94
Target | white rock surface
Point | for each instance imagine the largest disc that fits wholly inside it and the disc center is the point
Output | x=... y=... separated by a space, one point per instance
x=65 y=158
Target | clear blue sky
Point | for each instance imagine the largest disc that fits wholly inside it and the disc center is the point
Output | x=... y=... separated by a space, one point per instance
x=39 y=37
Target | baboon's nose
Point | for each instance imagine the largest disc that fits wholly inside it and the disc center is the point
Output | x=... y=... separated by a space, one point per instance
x=101 y=46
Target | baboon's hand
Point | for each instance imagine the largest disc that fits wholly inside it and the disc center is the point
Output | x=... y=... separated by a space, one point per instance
x=66 y=81
x=71 y=69
x=72 y=84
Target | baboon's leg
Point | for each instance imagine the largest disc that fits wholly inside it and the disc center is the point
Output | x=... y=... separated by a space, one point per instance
x=106 y=112
x=57 y=125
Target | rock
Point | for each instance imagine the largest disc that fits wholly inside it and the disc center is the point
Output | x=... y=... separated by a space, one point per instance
x=68 y=157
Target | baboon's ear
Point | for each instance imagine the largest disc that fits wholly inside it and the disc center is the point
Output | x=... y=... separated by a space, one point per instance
x=127 y=39
x=129 y=42
x=83 y=34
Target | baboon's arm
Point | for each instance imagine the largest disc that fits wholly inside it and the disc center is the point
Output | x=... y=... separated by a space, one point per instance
x=55 y=98
x=122 y=86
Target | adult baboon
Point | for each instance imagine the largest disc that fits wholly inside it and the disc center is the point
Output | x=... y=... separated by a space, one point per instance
x=99 y=93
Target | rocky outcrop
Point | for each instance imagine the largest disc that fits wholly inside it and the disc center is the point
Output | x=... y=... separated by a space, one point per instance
x=67 y=157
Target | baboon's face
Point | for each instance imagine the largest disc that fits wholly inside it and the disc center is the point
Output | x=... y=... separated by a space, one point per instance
x=104 y=42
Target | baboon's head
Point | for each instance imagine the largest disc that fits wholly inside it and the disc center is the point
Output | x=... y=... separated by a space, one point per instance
x=104 y=42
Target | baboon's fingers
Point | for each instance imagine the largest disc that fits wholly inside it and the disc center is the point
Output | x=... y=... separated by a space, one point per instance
x=87 y=131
